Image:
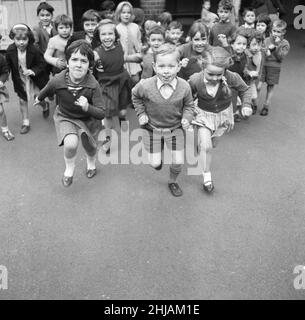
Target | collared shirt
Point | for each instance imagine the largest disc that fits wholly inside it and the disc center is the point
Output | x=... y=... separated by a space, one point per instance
x=48 y=29
x=166 y=89
x=211 y=90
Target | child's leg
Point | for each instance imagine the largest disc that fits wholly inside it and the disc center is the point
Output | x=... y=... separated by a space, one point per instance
x=70 y=150
x=155 y=160
x=269 y=95
x=206 y=147
x=24 y=109
x=108 y=123
x=91 y=156
x=176 y=166
x=3 y=123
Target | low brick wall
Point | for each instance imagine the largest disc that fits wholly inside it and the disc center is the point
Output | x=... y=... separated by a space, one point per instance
x=153 y=7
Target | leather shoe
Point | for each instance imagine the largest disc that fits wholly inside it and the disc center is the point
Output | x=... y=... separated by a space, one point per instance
x=208 y=187
x=175 y=189
x=25 y=129
x=67 y=181
x=91 y=173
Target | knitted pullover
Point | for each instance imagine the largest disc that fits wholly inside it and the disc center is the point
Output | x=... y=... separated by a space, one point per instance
x=226 y=28
x=163 y=113
x=278 y=54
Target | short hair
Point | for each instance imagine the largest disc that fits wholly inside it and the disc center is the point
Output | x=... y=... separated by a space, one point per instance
x=165 y=18
x=45 y=6
x=281 y=24
x=96 y=37
x=63 y=19
x=246 y=10
x=200 y=27
x=225 y=4
x=22 y=29
x=217 y=56
x=91 y=15
x=139 y=16
x=156 y=30
x=241 y=32
x=149 y=24
x=175 y=25
x=264 y=18
x=108 y=5
x=165 y=49
x=83 y=47
x=119 y=9
x=255 y=35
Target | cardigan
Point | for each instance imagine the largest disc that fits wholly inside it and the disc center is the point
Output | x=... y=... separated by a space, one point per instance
x=34 y=62
x=223 y=98
x=66 y=100
x=163 y=113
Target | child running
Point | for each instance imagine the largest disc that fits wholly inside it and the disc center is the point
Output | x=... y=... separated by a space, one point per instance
x=80 y=108
x=164 y=106
x=277 y=49
x=214 y=113
x=112 y=76
x=130 y=37
x=55 y=53
x=28 y=69
x=4 y=97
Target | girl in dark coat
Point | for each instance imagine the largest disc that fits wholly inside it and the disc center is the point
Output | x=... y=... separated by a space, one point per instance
x=28 y=70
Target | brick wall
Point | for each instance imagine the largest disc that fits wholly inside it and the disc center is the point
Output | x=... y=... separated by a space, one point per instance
x=153 y=7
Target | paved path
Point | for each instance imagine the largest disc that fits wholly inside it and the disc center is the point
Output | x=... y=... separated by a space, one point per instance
x=122 y=235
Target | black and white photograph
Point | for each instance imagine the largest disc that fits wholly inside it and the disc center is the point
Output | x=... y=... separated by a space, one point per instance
x=152 y=150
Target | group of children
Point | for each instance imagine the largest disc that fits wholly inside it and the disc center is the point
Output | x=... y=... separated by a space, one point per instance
x=208 y=80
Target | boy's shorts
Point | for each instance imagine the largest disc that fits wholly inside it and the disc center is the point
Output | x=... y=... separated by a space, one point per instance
x=271 y=75
x=153 y=139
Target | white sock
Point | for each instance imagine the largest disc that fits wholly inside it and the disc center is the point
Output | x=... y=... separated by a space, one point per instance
x=207 y=177
x=4 y=129
x=91 y=163
x=26 y=122
x=70 y=166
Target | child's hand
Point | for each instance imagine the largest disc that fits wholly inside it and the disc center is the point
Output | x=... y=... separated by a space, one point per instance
x=83 y=103
x=61 y=64
x=1 y=84
x=185 y=124
x=99 y=66
x=277 y=40
x=253 y=74
x=223 y=39
x=143 y=120
x=184 y=62
x=28 y=72
x=271 y=46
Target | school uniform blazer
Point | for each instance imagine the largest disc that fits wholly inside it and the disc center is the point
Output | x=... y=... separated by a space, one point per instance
x=34 y=61
x=42 y=37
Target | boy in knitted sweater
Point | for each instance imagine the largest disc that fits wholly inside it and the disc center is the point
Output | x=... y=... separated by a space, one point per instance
x=164 y=106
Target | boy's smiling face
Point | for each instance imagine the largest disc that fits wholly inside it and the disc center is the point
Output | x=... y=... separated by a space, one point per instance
x=166 y=67
x=45 y=17
x=155 y=41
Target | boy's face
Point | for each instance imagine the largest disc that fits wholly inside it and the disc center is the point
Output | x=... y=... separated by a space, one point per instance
x=78 y=66
x=166 y=67
x=249 y=17
x=239 y=45
x=64 y=30
x=21 y=42
x=255 y=46
x=207 y=5
x=261 y=27
x=213 y=74
x=45 y=17
x=89 y=27
x=223 y=14
x=199 y=42
x=277 y=32
x=107 y=35
x=174 y=35
x=155 y=41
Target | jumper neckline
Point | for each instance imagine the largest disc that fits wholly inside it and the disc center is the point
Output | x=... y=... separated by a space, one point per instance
x=174 y=90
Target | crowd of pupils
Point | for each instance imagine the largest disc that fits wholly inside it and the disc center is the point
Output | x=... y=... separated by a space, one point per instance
x=208 y=80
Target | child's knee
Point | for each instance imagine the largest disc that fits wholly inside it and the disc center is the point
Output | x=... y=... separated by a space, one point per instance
x=122 y=114
x=71 y=142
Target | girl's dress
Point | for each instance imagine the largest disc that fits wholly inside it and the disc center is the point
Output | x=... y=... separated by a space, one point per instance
x=130 y=37
x=215 y=112
x=70 y=118
x=113 y=78
x=4 y=72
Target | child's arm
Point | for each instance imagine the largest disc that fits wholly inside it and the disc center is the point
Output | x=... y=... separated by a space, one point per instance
x=48 y=56
x=97 y=109
x=138 y=102
x=188 y=109
x=39 y=64
x=47 y=91
x=136 y=57
x=281 y=50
